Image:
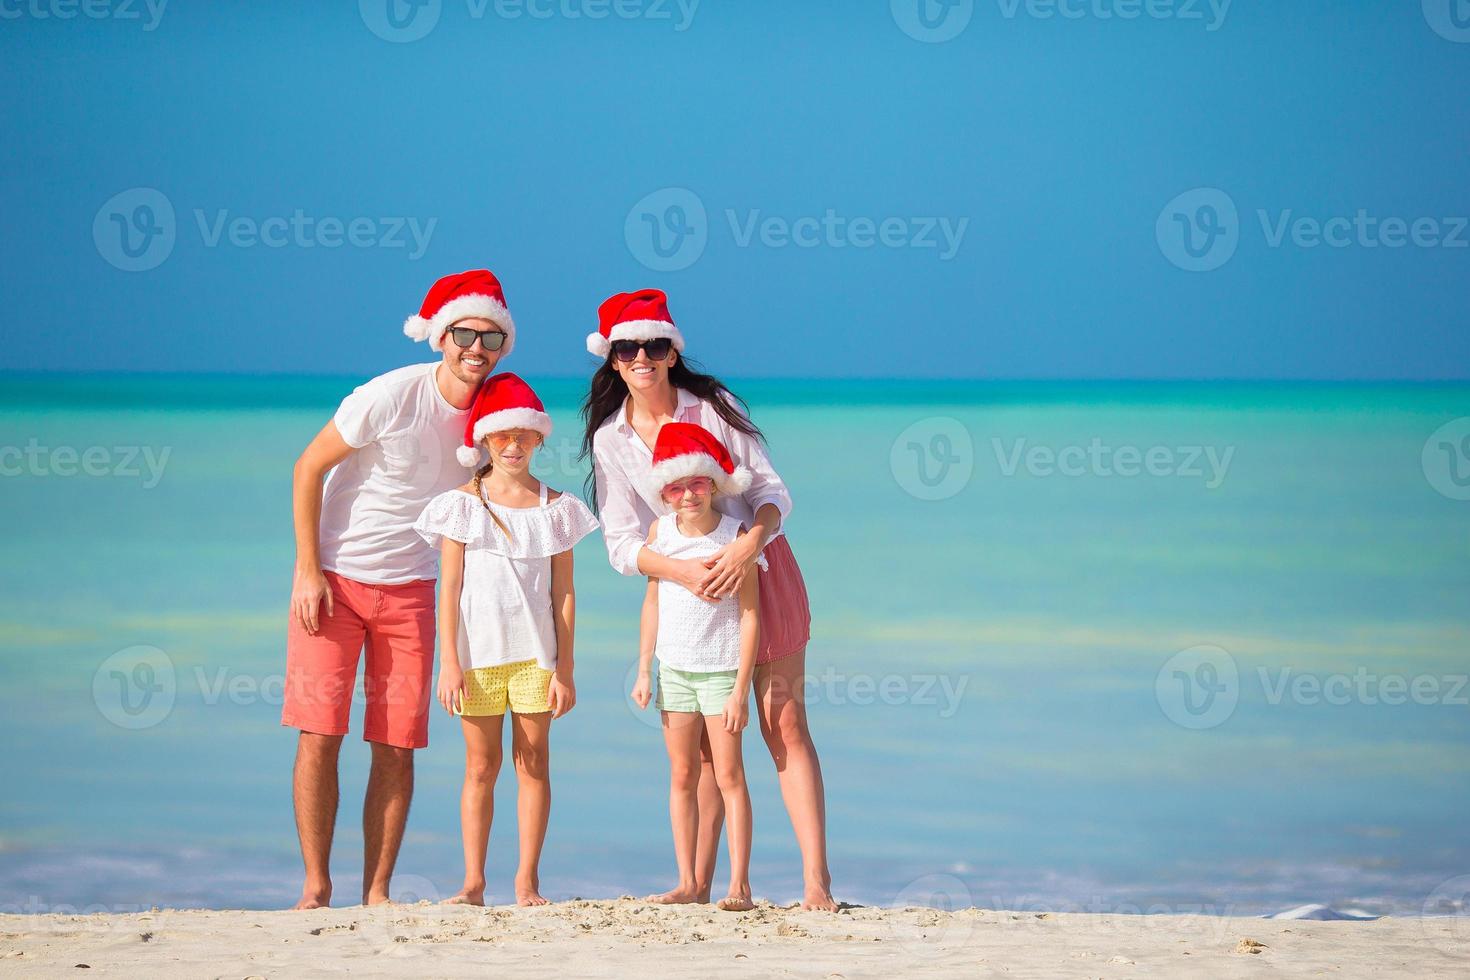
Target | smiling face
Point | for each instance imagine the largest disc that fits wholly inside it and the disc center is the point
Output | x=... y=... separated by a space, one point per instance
x=511 y=449
x=692 y=496
x=474 y=363
x=643 y=373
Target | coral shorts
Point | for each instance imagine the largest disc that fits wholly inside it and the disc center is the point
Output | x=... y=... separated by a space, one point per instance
x=786 y=619
x=395 y=625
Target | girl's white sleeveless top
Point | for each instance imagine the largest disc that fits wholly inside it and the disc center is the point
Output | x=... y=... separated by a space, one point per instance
x=694 y=634
x=505 y=603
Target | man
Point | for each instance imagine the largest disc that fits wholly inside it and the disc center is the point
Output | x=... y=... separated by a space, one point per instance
x=365 y=579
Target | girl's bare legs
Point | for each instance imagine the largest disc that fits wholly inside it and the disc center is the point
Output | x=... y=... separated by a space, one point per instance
x=782 y=711
x=681 y=737
x=711 y=820
x=730 y=773
x=482 y=757
x=530 y=742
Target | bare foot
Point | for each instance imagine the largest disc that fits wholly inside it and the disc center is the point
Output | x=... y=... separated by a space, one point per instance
x=467 y=896
x=528 y=892
x=314 y=899
x=703 y=892
x=679 y=896
x=376 y=898
x=737 y=901
x=818 y=898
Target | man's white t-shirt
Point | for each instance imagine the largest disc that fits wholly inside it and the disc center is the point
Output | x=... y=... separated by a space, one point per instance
x=405 y=434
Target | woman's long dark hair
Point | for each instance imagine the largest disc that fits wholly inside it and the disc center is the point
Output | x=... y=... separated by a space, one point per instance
x=608 y=392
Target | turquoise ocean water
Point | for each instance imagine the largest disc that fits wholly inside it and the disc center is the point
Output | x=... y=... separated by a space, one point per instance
x=1111 y=646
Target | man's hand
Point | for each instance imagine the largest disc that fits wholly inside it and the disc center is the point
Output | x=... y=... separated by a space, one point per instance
x=309 y=589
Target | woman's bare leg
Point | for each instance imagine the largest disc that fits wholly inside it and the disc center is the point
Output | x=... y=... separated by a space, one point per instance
x=782 y=711
x=681 y=737
x=530 y=743
x=482 y=756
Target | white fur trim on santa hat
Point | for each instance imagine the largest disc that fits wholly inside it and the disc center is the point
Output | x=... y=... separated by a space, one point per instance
x=461 y=307
x=634 y=330
x=468 y=456
x=677 y=468
x=513 y=418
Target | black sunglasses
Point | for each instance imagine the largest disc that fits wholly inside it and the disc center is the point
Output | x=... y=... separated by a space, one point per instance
x=627 y=350
x=465 y=337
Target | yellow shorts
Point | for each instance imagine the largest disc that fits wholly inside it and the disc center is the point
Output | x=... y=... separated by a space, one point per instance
x=488 y=689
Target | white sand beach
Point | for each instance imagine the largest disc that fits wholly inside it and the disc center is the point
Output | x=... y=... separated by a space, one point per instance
x=626 y=937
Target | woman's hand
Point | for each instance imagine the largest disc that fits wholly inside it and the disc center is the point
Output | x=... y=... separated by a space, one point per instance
x=561 y=695
x=642 y=689
x=451 y=685
x=692 y=573
x=726 y=569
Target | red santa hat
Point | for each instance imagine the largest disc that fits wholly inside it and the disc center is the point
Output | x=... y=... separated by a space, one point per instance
x=643 y=315
x=503 y=402
x=684 y=449
x=475 y=293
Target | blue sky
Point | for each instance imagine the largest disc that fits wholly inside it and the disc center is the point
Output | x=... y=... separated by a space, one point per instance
x=1060 y=189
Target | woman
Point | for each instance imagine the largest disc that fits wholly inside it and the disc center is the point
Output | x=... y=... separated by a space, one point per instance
x=644 y=382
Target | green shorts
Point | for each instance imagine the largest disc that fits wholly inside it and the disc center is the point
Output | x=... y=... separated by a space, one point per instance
x=702 y=691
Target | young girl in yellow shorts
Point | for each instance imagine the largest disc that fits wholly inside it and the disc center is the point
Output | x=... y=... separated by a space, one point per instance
x=506 y=615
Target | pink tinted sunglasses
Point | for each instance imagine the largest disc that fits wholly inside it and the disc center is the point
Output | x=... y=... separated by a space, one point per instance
x=699 y=486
